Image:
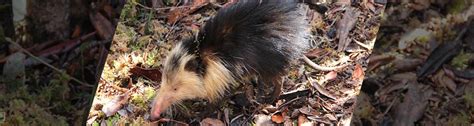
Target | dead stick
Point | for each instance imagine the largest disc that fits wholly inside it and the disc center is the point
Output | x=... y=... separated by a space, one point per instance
x=322 y=68
x=47 y=64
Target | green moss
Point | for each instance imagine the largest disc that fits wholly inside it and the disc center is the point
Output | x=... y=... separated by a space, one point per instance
x=125 y=31
x=137 y=99
x=469 y=98
x=112 y=121
x=95 y=123
x=129 y=12
x=149 y=93
x=459 y=120
x=152 y=58
x=461 y=61
x=38 y=103
x=139 y=121
x=457 y=6
x=423 y=38
x=35 y=114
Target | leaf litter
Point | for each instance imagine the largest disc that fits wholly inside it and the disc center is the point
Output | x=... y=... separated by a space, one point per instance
x=314 y=96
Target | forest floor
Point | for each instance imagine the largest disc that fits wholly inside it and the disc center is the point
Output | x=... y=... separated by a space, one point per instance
x=420 y=69
x=312 y=94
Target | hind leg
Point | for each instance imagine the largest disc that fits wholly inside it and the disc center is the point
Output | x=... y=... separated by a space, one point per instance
x=269 y=89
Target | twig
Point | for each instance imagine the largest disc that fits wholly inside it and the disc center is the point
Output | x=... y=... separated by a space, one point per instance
x=158 y=9
x=322 y=68
x=294 y=94
x=389 y=107
x=250 y=117
x=288 y=102
x=47 y=64
x=235 y=118
x=363 y=45
x=170 y=120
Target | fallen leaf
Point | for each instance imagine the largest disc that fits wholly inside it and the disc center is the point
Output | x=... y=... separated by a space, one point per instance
x=262 y=120
x=345 y=25
x=91 y=120
x=330 y=117
x=413 y=106
x=302 y=120
x=403 y=65
x=323 y=90
x=420 y=4
x=308 y=111
x=157 y=3
x=114 y=105
x=358 y=74
x=77 y=31
x=443 y=80
x=278 y=118
x=331 y=75
x=152 y=74
x=14 y=71
x=211 y=122
x=102 y=25
x=369 y=4
x=400 y=77
x=314 y=53
x=177 y=14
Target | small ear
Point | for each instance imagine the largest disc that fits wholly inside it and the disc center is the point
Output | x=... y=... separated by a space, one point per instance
x=195 y=65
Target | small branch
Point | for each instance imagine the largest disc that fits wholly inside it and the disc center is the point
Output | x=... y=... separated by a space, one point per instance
x=159 y=9
x=47 y=64
x=170 y=120
x=235 y=118
x=322 y=68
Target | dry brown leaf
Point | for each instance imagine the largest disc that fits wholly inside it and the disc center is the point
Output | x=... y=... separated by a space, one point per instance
x=211 y=122
x=330 y=76
x=278 y=118
x=443 y=80
x=403 y=65
x=262 y=120
x=380 y=58
x=343 y=2
x=302 y=120
x=323 y=90
x=358 y=74
x=314 y=53
x=77 y=32
x=102 y=25
x=308 y=111
x=152 y=74
x=345 y=25
x=413 y=106
x=157 y=3
x=408 y=76
x=369 y=4
x=114 y=105
x=178 y=13
x=420 y=4
x=109 y=11
x=330 y=117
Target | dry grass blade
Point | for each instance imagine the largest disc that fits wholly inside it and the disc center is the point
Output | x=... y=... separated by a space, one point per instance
x=47 y=64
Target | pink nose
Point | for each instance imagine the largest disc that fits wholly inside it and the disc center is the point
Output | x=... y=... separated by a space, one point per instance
x=155 y=114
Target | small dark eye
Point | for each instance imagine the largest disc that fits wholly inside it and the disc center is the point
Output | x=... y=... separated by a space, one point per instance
x=175 y=89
